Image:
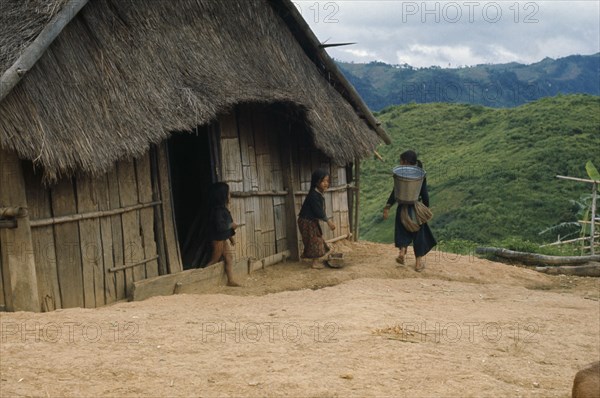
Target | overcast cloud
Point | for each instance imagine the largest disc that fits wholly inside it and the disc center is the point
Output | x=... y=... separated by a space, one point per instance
x=455 y=33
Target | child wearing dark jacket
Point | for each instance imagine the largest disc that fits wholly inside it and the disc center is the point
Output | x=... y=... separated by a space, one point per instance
x=221 y=229
x=313 y=211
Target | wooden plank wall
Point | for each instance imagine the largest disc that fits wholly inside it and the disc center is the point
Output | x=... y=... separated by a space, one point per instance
x=251 y=162
x=171 y=243
x=116 y=236
x=40 y=207
x=17 y=259
x=339 y=202
x=112 y=249
x=91 y=244
x=67 y=245
x=74 y=259
x=308 y=158
x=2 y=300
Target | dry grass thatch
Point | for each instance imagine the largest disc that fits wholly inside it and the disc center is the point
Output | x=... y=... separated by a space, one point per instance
x=123 y=74
x=20 y=23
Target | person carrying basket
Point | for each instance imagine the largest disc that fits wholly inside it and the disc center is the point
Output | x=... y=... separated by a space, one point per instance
x=412 y=215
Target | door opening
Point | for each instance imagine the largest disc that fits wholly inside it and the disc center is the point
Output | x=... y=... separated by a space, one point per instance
x=192 y=172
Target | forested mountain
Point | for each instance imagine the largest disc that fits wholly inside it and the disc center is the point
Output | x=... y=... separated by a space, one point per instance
x=501 y=85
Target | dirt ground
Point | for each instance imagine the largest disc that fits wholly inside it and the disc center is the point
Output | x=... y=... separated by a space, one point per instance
x=465 y=327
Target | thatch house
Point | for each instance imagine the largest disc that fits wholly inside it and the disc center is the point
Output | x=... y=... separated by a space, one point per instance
x=116 y=115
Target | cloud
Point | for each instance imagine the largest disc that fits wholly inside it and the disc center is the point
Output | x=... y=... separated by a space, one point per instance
x=424 y=56
x=360 y=53
x=425 y=33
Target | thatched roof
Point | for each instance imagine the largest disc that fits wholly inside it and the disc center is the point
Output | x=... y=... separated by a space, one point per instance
x=124 y=74
x=20 y=23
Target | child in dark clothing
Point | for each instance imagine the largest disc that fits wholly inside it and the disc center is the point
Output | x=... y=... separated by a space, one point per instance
x=221 y=229
x=313 y=210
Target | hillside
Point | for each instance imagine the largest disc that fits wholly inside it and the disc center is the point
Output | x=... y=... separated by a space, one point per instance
x=501 y=85
x=491 y=172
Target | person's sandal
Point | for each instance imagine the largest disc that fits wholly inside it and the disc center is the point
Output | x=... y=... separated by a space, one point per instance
x=400 y=260
x=318 y=265
x=420 y=267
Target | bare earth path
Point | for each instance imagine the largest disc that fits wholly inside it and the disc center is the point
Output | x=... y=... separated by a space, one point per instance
x=466 y=327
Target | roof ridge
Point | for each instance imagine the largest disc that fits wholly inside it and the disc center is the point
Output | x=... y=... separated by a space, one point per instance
x=351 y=94
x=38 y=47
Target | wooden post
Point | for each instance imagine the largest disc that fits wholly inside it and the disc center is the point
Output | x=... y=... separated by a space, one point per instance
x=66 y=245
x=90 y=244
x=115 y=236
x=36 y=49
x=593 y=220
x=350 y=194
x=108 y=246
x=173 y=253
x=132 y=242
x=287 y=167
x=534 y=258
x=159 y=225
x=346 y=90
x=357 y=198
x=18 y=260
x=592 y=225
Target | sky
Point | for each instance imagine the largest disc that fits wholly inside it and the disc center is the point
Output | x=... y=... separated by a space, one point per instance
x=454 y=33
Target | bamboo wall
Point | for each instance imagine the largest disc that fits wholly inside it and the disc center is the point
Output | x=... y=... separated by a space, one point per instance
x=17 y=265
x=252 y=153
x=2 y=299
x=250 y=163
x=93 y=237
x=309 y=159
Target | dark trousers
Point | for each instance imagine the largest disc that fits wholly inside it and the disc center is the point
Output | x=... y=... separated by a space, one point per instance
x=422 y=240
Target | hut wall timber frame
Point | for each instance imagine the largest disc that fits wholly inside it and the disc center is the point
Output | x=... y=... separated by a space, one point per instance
x=273 y=159
x=95 y=96
x=91 y=239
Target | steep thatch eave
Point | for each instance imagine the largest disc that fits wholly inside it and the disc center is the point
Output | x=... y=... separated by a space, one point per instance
x=34 y=50
x=315 y=51
x=123 y=75
x=21 y=22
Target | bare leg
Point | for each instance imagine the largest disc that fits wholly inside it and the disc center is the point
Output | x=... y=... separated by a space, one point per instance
x=228 y=258
x=217 y=251
x=316 y=263
x=420 y=264
x=221 y=250
x=401 y=255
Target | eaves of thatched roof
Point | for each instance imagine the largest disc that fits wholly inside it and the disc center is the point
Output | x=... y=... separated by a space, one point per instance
x=124 y=74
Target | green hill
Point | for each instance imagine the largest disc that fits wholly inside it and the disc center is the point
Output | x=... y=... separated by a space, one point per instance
x=498 y=85
x=491 y=172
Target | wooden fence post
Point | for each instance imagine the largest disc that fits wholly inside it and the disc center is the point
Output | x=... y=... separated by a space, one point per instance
x=17 y=261
x=287 y=167
x=593 y=220
x=356 y=199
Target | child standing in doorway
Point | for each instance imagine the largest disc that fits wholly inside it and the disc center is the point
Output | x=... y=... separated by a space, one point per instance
x=313 y=210
x=221 y=229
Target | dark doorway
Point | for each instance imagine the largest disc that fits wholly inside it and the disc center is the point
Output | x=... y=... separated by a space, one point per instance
x=190 y=160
